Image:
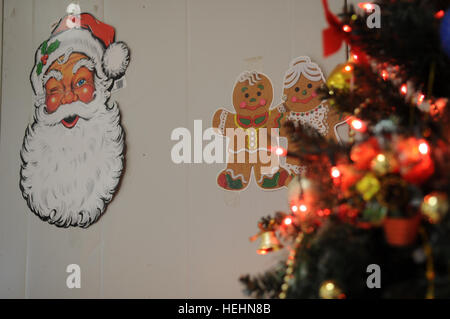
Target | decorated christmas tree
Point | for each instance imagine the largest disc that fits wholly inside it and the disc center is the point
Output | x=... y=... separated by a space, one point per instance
x=369 y=218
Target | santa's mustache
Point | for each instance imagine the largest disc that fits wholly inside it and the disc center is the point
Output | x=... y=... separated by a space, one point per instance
x=85 y=111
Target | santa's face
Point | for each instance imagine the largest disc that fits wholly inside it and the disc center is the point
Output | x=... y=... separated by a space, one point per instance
x=67 y=83
x=72 y=154
x=302 y=96
x=253 y=99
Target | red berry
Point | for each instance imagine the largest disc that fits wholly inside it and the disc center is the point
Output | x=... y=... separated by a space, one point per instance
x=44 y=59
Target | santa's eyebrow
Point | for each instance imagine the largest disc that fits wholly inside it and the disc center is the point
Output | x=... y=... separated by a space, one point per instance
x=83 y=63
x=244 y=89
x=52 y=74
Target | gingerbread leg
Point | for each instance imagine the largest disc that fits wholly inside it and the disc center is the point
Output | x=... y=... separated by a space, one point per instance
x=293 y=167
x=235 y=176
x=270 y=177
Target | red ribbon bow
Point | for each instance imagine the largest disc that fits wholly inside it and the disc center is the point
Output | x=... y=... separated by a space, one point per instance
x=334 y=35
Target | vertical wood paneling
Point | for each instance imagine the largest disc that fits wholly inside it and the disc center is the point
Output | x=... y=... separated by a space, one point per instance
x=16 y=103
x=145 y=227
x=224 y=35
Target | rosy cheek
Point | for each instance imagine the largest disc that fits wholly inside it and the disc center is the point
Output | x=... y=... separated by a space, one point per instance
x=243 y=105
x=262 y=102
x=294 y=99
x=52 y=102
x=85 y=93
x=314 y=94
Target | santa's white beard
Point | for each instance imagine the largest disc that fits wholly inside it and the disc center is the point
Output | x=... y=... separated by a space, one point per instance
x=68 y=176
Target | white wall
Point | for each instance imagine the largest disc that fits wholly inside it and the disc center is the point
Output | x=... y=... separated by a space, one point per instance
x=170 y=232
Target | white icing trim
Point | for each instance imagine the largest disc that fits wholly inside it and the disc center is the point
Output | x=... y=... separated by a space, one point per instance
x=302 y=65
x=251 y=76
x=281 y=108
x=223 y=119
x=269 y=175
x=247 y=150
x=316 y=118
x=296 y=169
x=236 y=176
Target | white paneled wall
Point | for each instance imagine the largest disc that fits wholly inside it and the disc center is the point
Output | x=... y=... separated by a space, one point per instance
x=170 y=232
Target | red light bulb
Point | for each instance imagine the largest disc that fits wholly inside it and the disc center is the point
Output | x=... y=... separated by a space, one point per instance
x=347 y=28
x=366 y=6
x=357 y=124
x=424 y=148
x=404 y=89
x=288 y=221
x=439 y=14
x=335 y=173
x=420 y=98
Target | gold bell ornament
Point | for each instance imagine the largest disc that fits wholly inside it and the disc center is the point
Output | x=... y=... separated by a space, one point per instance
x=269 y=241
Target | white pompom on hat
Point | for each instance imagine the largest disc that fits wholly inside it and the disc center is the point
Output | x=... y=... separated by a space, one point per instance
x=115 y=60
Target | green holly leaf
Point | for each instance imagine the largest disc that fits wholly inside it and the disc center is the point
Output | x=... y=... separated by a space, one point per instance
x=39 y=68
x=53 y=46
x=44 y=47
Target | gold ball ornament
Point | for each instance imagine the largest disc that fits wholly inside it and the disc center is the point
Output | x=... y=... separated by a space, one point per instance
x=368 y=186
x=384 y=163
x=435 y=206
x=341 y=77
x=329 y=290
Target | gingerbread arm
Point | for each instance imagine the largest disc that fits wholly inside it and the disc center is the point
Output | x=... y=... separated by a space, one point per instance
x=222 y=120
x=277 y=115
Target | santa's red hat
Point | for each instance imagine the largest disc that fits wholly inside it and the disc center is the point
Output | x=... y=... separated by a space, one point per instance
x=81 y=33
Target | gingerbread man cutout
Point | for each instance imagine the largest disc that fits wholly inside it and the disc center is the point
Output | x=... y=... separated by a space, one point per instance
x=303 y=106
x=249 y=133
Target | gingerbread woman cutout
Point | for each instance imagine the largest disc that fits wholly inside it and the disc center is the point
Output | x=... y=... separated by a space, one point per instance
x=249 y=133
x=303 y=106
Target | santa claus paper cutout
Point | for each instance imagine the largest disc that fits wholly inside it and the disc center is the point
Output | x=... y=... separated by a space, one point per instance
x=73 y=152
x=250 y=135
x=304 y=106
